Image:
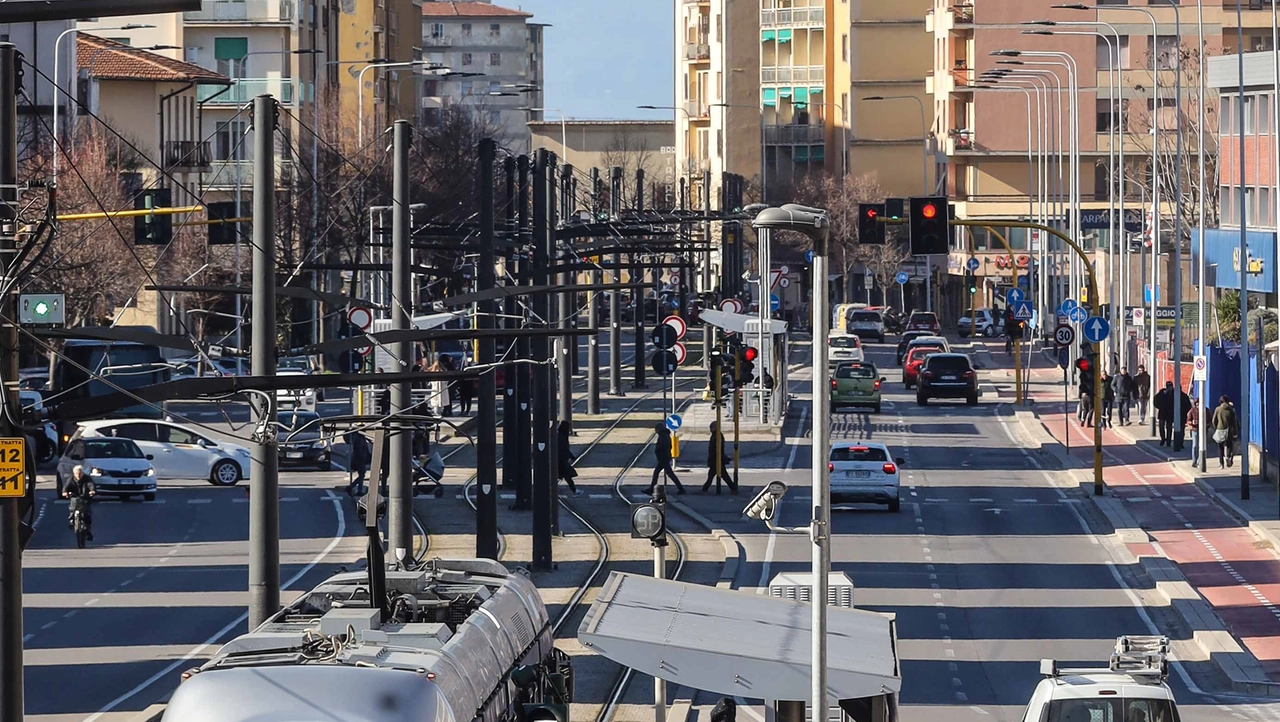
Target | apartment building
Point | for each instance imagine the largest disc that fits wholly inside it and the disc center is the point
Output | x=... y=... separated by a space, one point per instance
x=39 y=44
x=495 y=54
x=378 y=32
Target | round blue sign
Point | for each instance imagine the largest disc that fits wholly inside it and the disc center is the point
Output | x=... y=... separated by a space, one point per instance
x=902 y=278
x=1078 y=314
x=1067 y=305
x=774 y=302
x=973 y=264
x=674 y=422
x=1096 y=329
x=1015 y=295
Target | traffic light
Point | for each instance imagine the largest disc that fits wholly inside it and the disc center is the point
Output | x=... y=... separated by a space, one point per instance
x=928 y=224
x=893 y=208
x=747 y=366
x=870 y=229
x=152 y=229
x=222 y=233
x=971 y=283
x=1085 y=368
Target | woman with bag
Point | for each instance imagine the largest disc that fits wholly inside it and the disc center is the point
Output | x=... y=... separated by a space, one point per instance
x=1226 y=429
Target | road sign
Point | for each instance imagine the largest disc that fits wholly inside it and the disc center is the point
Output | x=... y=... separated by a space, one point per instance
x=13 y=468
x=1024 y=282
x=364 y=350
x=360 y=317
x=1062 y=358
x=1079 y=314
x=1022 y=311
x=1096 y=329
x=681 y=353
x=675 y=279
x=664 y=336
x=775 y=303
x=902 y=278
x=1067 y=305
x=973 y=264
x=774 y=277
x=808 y=257
x=1146 y=293
x=731 y=305
x=784 y=282
x=1064 y=335
x=678 y=324
x=784 y=270
x=1014 y=295
x=1200 y=369
x=664 y=362
x=1139 y=316
x=673 y=422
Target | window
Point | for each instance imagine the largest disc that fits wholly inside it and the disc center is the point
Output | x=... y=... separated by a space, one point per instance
x=122 y=41
x=229 y=140
x=1264 y=114
x=466 y=58
x=1226 y=117
x=231 y=54
x=844 y=107
x=1167 y=51
x=1105 y=120
x=437 y=30
x=430 y=116
x=856 y=371
x=494 y=87
x=1224 y=192
x=1264 y=206
x=174 y=435
x=1250 y=206
x=495 y=59
x=495 y=117
x=112 y=449
x=844 y=47
x=859 y=453
x=137 y=432
x=466 y=30
x=495 y=30
x=1246 y=108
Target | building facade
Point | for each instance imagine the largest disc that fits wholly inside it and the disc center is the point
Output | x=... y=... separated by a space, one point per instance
x=378 y=32
x=498 y=43
x=647 y=145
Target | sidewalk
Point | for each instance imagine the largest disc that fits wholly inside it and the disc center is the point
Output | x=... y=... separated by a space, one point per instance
x=1163 y=508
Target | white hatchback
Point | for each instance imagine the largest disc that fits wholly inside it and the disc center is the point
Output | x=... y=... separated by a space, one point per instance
x=843 y=348
x=179 y=452
x=117 y=466
x=864 y=472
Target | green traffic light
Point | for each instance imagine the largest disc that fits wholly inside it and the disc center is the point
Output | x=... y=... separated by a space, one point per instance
x=42 y=309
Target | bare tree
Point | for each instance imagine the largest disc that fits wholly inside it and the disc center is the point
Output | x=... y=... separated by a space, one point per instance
x=631 y=152
x=841 y=196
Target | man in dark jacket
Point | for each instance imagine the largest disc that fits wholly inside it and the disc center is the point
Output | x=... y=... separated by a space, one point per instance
x=1163 y=403
x=662 y=457
x=1123 y=385
x=361 y=454
x=1180 y=431
x=80 y=487
x=1142 y=384
x=565 y=457
x=1108 y=401
x=716 y=458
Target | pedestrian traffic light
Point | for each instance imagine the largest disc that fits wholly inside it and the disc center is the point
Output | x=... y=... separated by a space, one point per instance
x=747 y=366
x=1086 y=369
x=928 y=225
x=870 y=229
x=153 y=229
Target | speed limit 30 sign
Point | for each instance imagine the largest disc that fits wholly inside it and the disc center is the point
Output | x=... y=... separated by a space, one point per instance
x=1064 y=335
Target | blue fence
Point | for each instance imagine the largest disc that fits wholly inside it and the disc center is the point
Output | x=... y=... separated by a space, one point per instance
x=1264 y=394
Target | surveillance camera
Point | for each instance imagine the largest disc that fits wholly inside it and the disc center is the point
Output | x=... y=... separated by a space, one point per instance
x=765 y=505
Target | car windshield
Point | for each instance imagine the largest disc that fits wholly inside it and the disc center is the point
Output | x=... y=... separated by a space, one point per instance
x=858 y=453
x=843 y=341
x=865 y=317
x=856 y=371
x=292 y=364
x=1111 y=709
x=291 y=421
x=948 y=363
x=919 y=352
x=111 y=449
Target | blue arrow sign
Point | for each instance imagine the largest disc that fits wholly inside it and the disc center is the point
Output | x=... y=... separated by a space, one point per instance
x=902 y=278
x=973 y=264
x=774 y=302
x=1024 y=282
x=1067 y=305
x=674 y=422
x=1096 y=329
x=1078 y=314
x=808 y=256
x=1022 y=311
x=1014 y=296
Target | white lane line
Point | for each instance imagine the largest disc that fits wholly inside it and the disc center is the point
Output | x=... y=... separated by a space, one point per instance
x=199 y=501
x=162 y=674
x=48 y=625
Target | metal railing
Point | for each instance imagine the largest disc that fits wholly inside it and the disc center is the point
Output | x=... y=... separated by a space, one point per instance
x=792 y=17
x=243 y=90
x=793 y=74
x=440 y=41
x=243 y=11
x=186 y=154
x=227 y=174
x=697 y=51
x=794 y=134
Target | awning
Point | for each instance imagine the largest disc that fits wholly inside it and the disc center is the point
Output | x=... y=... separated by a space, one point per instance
x=784 y=36
x=801 y=95
x=767 y=35
x=733 y=643
x=770 y=96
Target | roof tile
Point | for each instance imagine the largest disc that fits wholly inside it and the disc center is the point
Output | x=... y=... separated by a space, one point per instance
x=444 y=9
x=116 y=61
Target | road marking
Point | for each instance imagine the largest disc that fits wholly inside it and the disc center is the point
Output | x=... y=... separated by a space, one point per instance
x=599 y=496
x=92 y=602
x=164 y=673
x=1025 y=501
x=289 y=498
x=199 y=501
x=48 y=625
x=512 y=496
x=981 y=500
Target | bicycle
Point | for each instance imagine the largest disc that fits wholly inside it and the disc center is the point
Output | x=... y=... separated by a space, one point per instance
x=79 y=521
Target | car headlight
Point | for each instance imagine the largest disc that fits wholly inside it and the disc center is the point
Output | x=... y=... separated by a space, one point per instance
x=151 y=472
x=95 y=471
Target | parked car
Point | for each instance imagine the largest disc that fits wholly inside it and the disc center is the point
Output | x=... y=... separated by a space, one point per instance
x=842 y=348
x=178 y=452
x=924 y=321
x=856 y=384
x=948 y=376
x=302 y=442
x=117 y=466
x=864 y=472
x=989 y=323
x=35 y=378
x=867 y=323
x=32 y=402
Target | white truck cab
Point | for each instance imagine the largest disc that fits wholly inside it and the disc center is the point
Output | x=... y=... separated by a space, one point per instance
x=1131 y=688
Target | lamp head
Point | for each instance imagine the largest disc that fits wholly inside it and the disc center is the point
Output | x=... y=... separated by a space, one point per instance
x=1040 y=22
x=1037 y=32
x=1010 y=62
x=1071 y=6
x=1006 y=53
x=874 y=97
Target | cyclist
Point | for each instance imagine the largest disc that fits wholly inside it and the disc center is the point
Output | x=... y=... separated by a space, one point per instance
x=80 y=488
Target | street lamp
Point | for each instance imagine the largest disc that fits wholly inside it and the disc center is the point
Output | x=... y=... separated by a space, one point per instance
x=816 y=224
x=924 y=130
x=360 y=88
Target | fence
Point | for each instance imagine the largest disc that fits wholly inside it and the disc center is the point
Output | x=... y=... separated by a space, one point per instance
x=1264 y=394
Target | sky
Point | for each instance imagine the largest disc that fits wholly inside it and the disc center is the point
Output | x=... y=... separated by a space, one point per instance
x=604 y=57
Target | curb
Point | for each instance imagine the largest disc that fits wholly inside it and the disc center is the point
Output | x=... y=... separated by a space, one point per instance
x=151 y=714
x=1209 y=633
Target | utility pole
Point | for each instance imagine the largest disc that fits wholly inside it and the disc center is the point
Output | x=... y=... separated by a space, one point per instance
x=564 y=362
x=487 y=412
x=553 y=319
x=615 y=303
x=524 y=385
x=708 y=331
x=637 y=271
x=11 y=681
x=510 y=417
x=593 y=311
x=543 y=487
x=400 y=468
x=264 y=480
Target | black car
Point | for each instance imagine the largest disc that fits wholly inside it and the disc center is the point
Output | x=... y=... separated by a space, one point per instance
x=947 y=376
x=906 y=339
x=302 y=442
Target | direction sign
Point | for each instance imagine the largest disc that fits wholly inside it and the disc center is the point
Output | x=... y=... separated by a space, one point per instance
x=1078 y=314
x=774 y=302
x=664 y=336
x=1015 y=295
x=1022 y=311
x=731 y=305
x=808 y=256
x=902 y=278
x=1200 y=369
x=678 y=324
x=674 y=422
x=1064 y=335
x=664 y=362
x=1139 y=316
x=973 y=264
x=360 y=317
x=1096 y=329
x=681 y=353
x=13 y=468
x=1067 y=304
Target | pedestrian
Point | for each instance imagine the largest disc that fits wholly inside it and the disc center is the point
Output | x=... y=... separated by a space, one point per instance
x=1142 y=381
x=1180 y=430
x=360 y=456
x=716 y=466
x=1124 y=387
x=1193 y=425
x=662 y=457
x=1226 y=429
x=440 y=390
x=565 y=457
x=466 y=392
x=1086 y=408
x=455 y=392
x=1163 y=403
x=1108 y=401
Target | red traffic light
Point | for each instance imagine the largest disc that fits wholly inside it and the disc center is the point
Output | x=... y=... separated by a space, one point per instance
x=750 y=354
x=1082 y=364
x=929 y=210
x=871 y=213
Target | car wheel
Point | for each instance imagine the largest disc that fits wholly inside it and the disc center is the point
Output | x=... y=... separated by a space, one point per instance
x=149 y=497
x=972 y=400
x=877 y=408
x=225 y=473
x=922 y=399
x=895 y=505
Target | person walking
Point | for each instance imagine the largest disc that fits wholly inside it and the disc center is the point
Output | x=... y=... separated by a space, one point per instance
x=1108 y=401
x=662 y=457
x=361 y=455
x=1180 y=427
x=565 y=457
x=466 y=392
x=1226 y=429
x=1193 y=425
x=1142 y=383
x=1163 y=403
x=716 y=466
x=1124 y=388
x=441 y=390
x=1086 y=408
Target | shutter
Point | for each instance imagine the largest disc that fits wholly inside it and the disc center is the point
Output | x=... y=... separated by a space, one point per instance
x=230 y=48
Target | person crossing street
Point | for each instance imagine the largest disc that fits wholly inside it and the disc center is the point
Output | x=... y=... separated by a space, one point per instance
x=662 y=457
x=716 y=467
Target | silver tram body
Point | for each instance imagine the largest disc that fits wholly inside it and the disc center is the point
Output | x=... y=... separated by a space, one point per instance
x=454 y=641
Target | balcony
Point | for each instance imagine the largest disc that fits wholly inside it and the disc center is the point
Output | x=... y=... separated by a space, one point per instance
x=962 y=14
x=793 y=17
x=697 y=51
x=230 y=174
x=441 y=41
x=959 y=140
x=243 y=11
x=697 y=110
x=286 y=90
x=186 y=154
x=793 y=74
x=795 y=134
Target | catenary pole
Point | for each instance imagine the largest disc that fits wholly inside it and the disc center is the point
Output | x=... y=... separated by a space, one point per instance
x=510 y=370
x=1242 y=411
x=400 y=469
x=524 y=380
x=564 y=362
x=543 y=486
x=615 y=302
x=593 y=312
x=486 y=411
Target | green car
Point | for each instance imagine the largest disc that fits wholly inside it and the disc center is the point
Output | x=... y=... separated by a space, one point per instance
x=856 y=384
